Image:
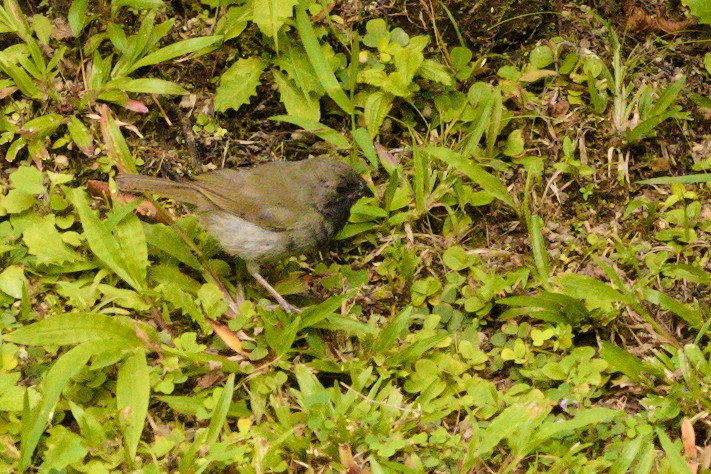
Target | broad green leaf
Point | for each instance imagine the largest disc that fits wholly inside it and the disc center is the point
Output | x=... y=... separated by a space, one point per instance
x=77 y=16
x=319 y=61
x=28 y=179
x=81 y=136
x=621 y=360
x=676 y=460
x=434 y=71
x=298 y=103
x=12 y=281
x=130 y=237
x=133 y=389
x=43 y=126
x=315 y=314
x=167 y=240
x=75 y=328
x=16 y=202
x=106 y=247
x=65 y=368
x=209 y=437
x=596 y=293
x=396 y=327
x=582 y=419
x=115 y=143
x=693 y=318
x=219 y=414
x=234 y=22
x=44 y=241
x=270 y=16
x=322 y=131
x=239 y=83
x=365 y=143
x=474 y=172
x=43 y=27
x=20 y=77
x=377 y=107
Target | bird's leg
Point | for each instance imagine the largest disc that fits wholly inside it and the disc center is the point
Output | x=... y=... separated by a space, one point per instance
x=253 y=269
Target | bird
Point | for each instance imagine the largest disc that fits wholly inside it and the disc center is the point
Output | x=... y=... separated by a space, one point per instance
x=268 y=212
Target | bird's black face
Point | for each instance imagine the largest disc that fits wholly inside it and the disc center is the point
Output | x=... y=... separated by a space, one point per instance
x=349 y=189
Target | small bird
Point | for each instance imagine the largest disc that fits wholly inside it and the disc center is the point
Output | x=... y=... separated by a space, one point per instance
x=268 y=212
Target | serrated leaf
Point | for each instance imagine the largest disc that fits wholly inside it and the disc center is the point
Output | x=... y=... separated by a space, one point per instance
x=239 y=83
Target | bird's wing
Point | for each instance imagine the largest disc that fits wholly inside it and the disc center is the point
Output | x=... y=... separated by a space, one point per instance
x=265 y=197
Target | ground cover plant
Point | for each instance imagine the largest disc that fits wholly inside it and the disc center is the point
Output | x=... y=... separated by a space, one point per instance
x=526 y=291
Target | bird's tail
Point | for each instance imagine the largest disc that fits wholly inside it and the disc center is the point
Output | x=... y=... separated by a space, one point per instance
x=184 y=192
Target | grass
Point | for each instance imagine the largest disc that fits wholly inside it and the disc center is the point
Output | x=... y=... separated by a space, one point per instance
x=527 y=291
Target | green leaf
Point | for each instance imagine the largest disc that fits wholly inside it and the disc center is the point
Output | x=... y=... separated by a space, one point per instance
x=434 y=71
x=270 y=16
x=16 y=202
x=13 y=280
x=677 y=462
x=621 y=360
x=77 y=16
x=239 y=83
x=44 y=241
x=514 y=143
x=175 y=50
x=298 y=103
x=75 y=328
x=234 y=22
x=165 y=238
x=317 y=128
x=43 y=28
x=377 y=107
x=43 y=126
x=28 y=179
x=119 y=256
x=540 y=252
x=81 y=136
x=133 y=389
x=474 y=172
x=18 y=75
x=319 y=61
x=396 y=327
x=365 y=143
x=147 y=86
x=693 y=318
x=55 y=379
